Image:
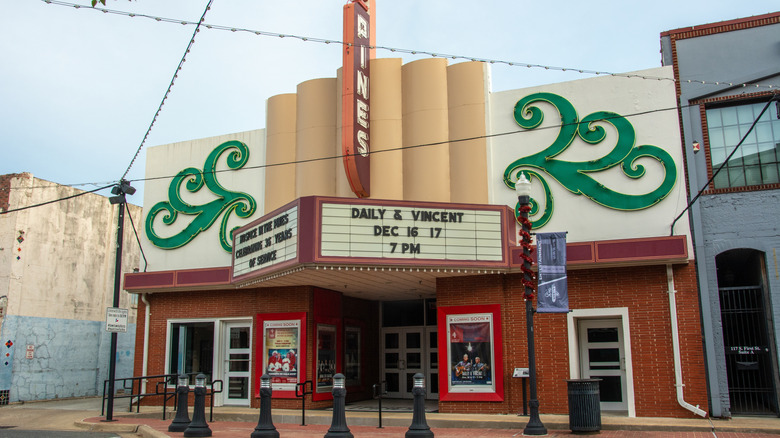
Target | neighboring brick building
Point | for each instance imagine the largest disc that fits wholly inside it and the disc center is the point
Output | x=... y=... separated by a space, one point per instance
x=56 y=281
x=306 y=279
x=727 y=73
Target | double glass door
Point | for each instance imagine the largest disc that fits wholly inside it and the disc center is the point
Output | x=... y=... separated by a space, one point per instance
x=407 y=351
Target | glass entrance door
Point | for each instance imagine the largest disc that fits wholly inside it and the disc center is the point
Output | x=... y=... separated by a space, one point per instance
x=602 y=357
x=237 y=363
x=407 y=351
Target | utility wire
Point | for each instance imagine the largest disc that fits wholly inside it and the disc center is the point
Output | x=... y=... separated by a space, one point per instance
x=401 y=148
x=168 y=91
x=438 y=143
x=399 y=50
x=775 y=97
x=55 y=200
x=137 y=239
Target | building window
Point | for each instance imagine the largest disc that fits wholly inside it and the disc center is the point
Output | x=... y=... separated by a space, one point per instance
x=756 y=161
x=192 y=349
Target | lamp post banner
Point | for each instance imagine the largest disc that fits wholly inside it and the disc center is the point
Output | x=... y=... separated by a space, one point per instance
x=553 y=295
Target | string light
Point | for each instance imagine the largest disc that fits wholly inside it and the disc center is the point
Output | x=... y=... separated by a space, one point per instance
x=393 y=49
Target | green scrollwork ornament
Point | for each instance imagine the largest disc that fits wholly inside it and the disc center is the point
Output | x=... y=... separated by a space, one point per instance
x=575 y=176
x=203 y=216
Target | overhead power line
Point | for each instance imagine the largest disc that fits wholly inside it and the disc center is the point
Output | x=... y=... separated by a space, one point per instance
x=55 y=200
x=168 y=91
x=401 y=50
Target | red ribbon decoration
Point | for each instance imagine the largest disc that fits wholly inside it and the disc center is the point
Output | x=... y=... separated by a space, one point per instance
x=525 y=239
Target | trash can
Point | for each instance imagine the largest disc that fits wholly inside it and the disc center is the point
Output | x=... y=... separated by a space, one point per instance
x=584 y=407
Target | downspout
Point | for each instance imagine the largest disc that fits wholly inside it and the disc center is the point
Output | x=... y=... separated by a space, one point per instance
x=676 y=346
x=144 y=366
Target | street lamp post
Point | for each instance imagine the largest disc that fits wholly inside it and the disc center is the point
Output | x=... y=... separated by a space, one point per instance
x=523 y=189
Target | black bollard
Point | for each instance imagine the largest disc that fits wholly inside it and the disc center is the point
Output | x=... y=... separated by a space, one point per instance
x=265 y=426
x=182 y=419
x=419 y=427
x=198 y=426
x=338 y=425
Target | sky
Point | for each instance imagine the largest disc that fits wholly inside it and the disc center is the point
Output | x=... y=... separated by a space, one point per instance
x=79 y=87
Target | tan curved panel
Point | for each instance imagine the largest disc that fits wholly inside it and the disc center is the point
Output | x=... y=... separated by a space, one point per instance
x=386 y=119
x=425 y=121
x=343 y=190
x=316 y=138
x=467 y=94
x=280 y=148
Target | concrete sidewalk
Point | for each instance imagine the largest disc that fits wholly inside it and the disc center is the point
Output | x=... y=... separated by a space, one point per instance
x=232 y=422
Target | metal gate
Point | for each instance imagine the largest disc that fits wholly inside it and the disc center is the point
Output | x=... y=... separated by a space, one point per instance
x=748 y=351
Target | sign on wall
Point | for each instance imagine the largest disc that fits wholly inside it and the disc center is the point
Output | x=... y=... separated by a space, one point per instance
x=273 y=241
x=404 y=232
x=355 y=97
x=472 y=368
x=116 y=320
x=281 y=349
x=470 y=352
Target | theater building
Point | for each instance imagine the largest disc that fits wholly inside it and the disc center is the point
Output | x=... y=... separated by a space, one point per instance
x=271 y=251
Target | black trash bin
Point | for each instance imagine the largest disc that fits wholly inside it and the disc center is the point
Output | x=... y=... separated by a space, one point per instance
x=584 y=407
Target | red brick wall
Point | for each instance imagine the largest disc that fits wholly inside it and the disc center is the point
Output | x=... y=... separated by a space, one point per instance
x=643 y=290
x=5 y=188
x=248 y=303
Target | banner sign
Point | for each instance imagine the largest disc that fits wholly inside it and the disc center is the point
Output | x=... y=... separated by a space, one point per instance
x=553 y=294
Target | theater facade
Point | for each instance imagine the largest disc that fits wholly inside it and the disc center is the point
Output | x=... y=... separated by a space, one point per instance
x=267 y=252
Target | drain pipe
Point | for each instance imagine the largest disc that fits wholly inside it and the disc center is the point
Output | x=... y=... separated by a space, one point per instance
x=676 y=346
x=144 y=366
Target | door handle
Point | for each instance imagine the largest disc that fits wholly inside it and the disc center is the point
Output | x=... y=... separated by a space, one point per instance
x=401 y=364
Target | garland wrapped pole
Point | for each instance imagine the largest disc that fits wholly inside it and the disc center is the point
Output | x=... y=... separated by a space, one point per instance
x=523 y=189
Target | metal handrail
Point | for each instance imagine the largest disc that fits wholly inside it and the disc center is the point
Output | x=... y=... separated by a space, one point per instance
x=379 y=395
x=162 y=383
x=302 y=395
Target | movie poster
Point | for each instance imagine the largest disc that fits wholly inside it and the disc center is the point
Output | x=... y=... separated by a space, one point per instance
x=326 y=357
x=280 y=353
x=470 y=352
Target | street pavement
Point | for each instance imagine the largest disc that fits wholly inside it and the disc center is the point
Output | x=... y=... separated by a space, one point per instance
x=81 y=418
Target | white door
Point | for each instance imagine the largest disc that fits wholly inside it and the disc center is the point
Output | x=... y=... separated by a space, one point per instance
x=602 y=356
x=403 y=355
x=237 y=366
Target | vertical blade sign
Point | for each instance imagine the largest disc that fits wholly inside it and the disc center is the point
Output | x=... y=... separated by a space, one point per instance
x=355 y=101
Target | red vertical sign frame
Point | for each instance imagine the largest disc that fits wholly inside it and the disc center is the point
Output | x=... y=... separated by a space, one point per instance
x=300 y=318
x=355 y=131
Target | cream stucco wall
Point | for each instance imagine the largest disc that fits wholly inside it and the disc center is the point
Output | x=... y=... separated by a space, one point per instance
x=648 y=105
x=64 y=266
x=437 y=134
x=164 y=162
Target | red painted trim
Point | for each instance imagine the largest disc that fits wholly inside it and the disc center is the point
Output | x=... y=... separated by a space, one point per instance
x=259 y=347
x=498 y=354
x=147 y=280
x=672 y=247
x=203 y=277
x=140 y=281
